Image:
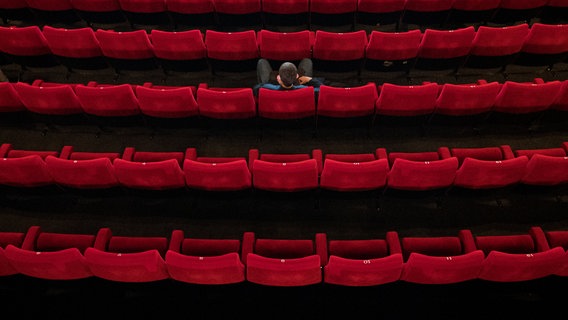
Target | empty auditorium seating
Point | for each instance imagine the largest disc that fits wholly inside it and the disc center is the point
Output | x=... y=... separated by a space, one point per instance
x=169 y=102
x=546 y=166
x=286 y=104
x=347 y=102
x=379 y=14
x=49 y=98
x=518 y=257
x=354 y=172
x=231 y=51
x=9 y=99
x=103 y=14
x=337 y=53
x=13 y=238
x=512 y=12
x=332 y=15
x=426 y=14
x=204 y=261
x=55 y=12
x=363 y=262
x=492 y=49
x=391 y=52
x=181 y=51
x=284 y=262
x=285 y=172
x=289 y=16
x=456 y=100
x=108 y=100
x=421 y=171
x=78 y=49
x=216 y=173
x=187 y=15
x=443 y=51
x=50 y=255
x=545 y=46
x=226 y=103
x=477 y=13
x=150 y=170
x=127 y=51
x=128 y=258
x=238 y=15
x=559 y=238
x=24 y=168
x=83 y=169
x=518 y=97
x=27 y=47
x=147 y=15
x=442 y=259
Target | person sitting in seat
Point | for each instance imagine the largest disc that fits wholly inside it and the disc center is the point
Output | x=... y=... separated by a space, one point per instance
x=288 y=76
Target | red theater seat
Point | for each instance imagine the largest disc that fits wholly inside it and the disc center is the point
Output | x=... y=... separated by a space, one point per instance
x=24 y=168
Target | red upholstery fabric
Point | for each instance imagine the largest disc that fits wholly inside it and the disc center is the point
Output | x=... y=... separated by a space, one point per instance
x=72 y=43
x=426 y=269
x=285 y=46
x=286 y=104
x=23 y=41
x=27 y=171
x=9 y=99
x=333 y=6
x=516 y=97
x=127 y=267
x=499 y=41
x=334 y=46
x=179 y=45
x=285 y=176
x=212 y=176
x=226 y=104
x=462 y=100
x=285 y=6
x=340 y=102
x=58 y=99
x=422 y=175
x=15 y=239
x=241 y=45
x=83 y=174
x=546 y=39
x=400 y=100
x=108 y=100
x=125 y=45
x=354 y=176
x=393 y=45
x=159 y=175
x=482 y=174
x=444 y=44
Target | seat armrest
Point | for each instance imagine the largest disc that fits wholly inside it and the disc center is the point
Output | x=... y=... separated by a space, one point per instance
x=190 y=154
x=128 y=153
x=4 y=149
x=444 y=152
x=102 y=239
x=253 y=155
x=318 y=155
x=176 y=241
x=30 y=238
x=540 y=239
x=381 y=153
x=507 y=152
x=393 y=242
x=467 y=240
x=66 y=152
x=247 y=245
x=321 y=247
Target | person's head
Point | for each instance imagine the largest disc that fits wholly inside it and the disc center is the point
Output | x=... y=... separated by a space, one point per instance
x=287 y=74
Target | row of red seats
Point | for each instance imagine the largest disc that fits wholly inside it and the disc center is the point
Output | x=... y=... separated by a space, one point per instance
x=286 y=262
x=468 y=168
x=485 y=43
x=503 y=11
x=429 y=98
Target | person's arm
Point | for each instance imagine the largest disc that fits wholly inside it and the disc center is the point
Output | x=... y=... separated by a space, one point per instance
x=309 y=81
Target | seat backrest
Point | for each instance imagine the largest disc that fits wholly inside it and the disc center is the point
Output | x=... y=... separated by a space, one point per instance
x=444 y=44
x=468 y=99
x=546 y=170
x=9 y=99
x=26 y=171
x=234 y=46
x=483 y=174
x=83 y=174
x=393 y=45
x=108 y=100
x=422 y=175
x=226 y=104
x=286 y=104
x=546 y=39
x=339 y=46
x=285 y=46
x=130 y=45
x=142 y=6
x=285 y=7
x=179 y=45
x=285 y=176
x=516 y=97
x=72 y=43
x=212 y=176
x=240 y=7
x=354 y=176
x=401 y=100
x=499 y=41
x=347 y=102
x=163 y=102
x=159 y=175
x=333 y=7
x=23 y=41
x=59 y=99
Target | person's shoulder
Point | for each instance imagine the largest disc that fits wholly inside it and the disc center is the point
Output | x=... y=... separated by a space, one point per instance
x=270 y=86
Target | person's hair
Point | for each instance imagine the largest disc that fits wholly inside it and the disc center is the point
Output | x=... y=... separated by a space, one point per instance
x=288 y=73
